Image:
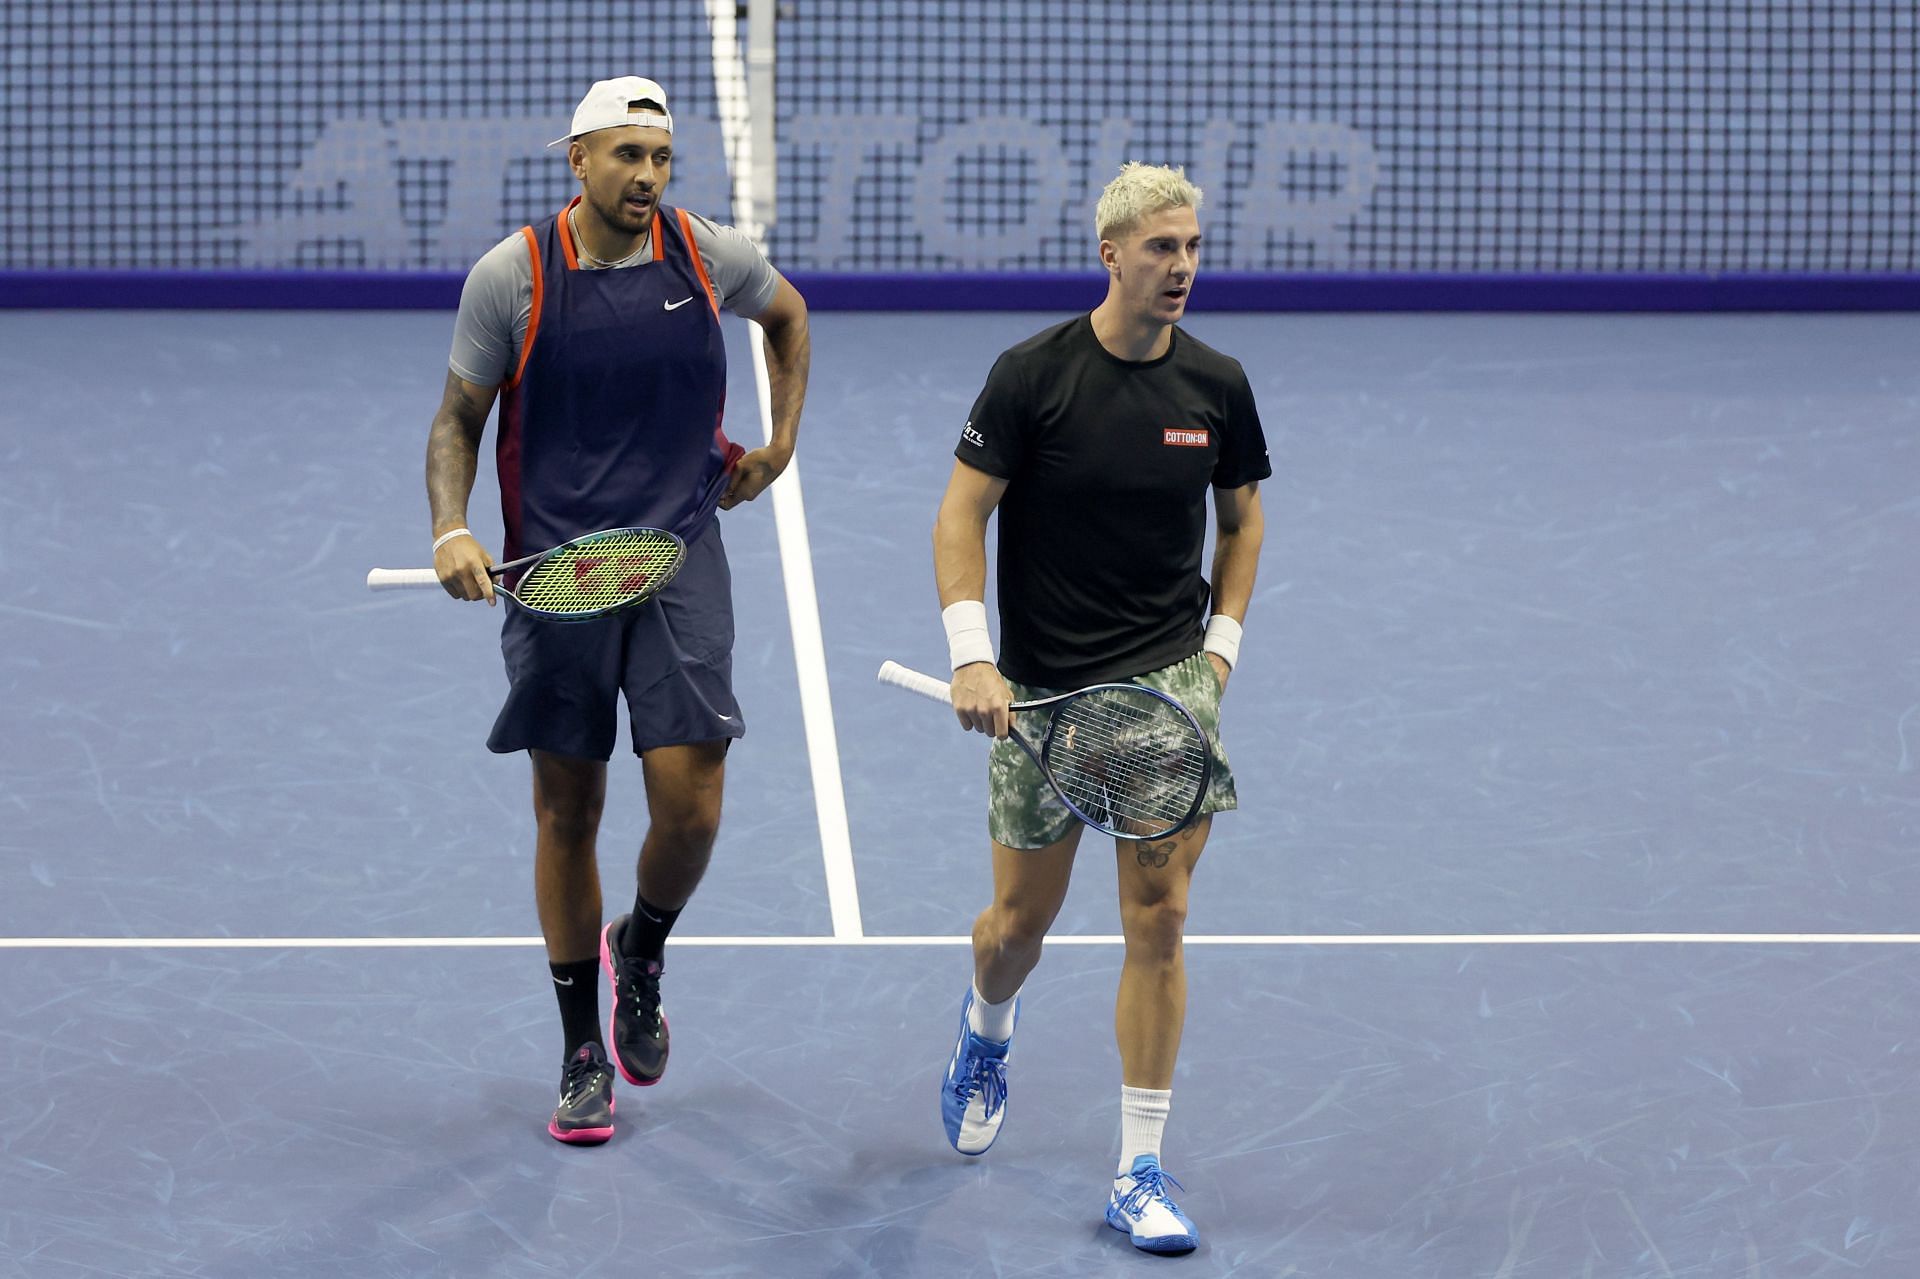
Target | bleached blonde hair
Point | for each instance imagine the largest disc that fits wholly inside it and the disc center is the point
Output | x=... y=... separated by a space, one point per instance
x=1141 y=191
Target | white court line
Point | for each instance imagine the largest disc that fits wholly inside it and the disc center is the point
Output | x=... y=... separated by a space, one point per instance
x=1089 y=939
x=789 y=512
x=810 y=659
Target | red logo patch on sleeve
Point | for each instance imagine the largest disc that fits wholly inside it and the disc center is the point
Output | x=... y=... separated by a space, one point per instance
x=1186 y=437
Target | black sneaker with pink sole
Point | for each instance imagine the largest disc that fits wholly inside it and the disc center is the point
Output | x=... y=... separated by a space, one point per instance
x=637 y=1025
x=584 y=1116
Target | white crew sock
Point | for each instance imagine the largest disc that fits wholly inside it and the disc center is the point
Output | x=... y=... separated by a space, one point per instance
x=1143 y=1117
x=992 y=1022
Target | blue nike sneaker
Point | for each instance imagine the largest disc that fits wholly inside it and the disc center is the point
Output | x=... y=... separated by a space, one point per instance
x=973 y=1096
x=1141 y=1206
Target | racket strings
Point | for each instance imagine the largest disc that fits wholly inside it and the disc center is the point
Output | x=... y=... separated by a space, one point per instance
x=1133 y=804
x=1132 y=797
x=1127 y=759
x=599 y=573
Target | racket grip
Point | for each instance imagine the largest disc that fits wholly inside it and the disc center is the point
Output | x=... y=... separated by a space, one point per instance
x=914 y=682
x=400 y=579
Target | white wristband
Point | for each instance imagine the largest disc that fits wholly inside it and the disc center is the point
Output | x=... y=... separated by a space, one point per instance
x=1223 y=637
x=449 y=535
x=967 y=637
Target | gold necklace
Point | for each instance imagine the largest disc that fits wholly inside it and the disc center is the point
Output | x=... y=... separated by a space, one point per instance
x=586 y=254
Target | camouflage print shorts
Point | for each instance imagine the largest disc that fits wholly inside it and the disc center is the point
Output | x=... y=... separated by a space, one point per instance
x=1024 y=812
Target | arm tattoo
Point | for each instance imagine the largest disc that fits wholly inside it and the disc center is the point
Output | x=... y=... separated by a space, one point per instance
x=789 y=354
x=453 y=453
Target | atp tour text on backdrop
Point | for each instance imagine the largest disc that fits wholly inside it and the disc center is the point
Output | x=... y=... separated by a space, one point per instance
x=1294 y=182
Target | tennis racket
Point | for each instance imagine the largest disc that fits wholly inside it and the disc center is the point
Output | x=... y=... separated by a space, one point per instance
x=1125 y=759
x=593 y=576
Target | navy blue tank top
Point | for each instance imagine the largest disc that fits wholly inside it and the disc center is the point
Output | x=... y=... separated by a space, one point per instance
x=613 y=417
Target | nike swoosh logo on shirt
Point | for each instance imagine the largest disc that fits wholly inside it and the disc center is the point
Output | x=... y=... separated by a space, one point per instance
x=675 y=306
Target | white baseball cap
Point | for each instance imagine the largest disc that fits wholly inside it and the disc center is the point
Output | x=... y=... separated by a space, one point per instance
x=609 y=104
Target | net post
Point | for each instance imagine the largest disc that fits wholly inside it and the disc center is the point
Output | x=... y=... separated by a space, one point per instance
x=761 y=48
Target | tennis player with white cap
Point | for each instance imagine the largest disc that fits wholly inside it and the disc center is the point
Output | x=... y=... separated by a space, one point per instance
x=598 y=329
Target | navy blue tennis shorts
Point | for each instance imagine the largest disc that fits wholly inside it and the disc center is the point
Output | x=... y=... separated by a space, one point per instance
x=672 y=657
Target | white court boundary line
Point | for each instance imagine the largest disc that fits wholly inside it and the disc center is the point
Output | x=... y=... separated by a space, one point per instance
x=1088 y=939
x=789 y=513
x=810 y=659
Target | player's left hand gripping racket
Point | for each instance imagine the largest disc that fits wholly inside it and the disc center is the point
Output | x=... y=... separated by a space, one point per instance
x=1127 y=760
x=593 y=576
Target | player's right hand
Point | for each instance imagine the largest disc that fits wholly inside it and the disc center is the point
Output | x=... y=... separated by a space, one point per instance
x=462 y=565
x=981 y=698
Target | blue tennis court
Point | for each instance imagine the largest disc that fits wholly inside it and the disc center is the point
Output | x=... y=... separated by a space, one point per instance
x=1564 y=930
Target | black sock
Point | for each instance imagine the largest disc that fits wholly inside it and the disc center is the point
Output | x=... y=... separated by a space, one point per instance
x=646 y=933
x=577 y=986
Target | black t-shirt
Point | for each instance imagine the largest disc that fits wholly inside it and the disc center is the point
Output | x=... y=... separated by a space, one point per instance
x=1104 y=519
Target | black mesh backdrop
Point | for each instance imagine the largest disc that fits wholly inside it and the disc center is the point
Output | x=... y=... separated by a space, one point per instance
x=1604 y=136
x=402 y=136
x=1615 y=135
